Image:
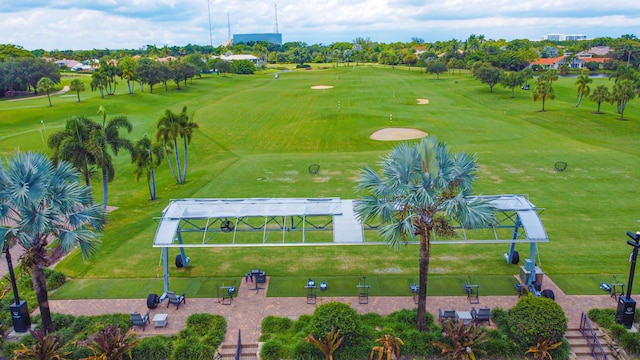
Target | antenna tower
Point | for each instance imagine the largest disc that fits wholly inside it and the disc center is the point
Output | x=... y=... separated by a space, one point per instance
x=228 y=27
x=210 y=33
x=276 y=25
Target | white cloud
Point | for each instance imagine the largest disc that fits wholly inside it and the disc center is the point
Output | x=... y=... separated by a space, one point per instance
x=114 y=24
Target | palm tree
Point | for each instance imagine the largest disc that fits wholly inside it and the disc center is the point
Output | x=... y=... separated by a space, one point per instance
x=147 y=158
x=98 y=82
x=107 y=136
x=599 y=95
x=543 y=90
x=170 y=127
x=45 y=84
x=422 y=189
x=72 y=145
x=46 y=202
x=583 y=82
x=623 y=91
x=329 y=345
x=76 y=85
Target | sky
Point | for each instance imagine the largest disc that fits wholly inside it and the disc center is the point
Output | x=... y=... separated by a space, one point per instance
x=134 y=24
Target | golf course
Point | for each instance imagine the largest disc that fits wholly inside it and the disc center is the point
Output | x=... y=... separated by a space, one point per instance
x=258 y=134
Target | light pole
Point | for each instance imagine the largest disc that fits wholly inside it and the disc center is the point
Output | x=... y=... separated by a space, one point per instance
x=626 y=305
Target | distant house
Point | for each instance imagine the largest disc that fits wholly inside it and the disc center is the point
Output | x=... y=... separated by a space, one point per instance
x=231 y=58
x=69 y=64
x=577 y=62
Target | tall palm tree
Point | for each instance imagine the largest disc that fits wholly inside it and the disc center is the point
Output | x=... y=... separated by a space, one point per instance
x=147 y=157
x=543 y=90
x=45 y=84
x=422 y=190
x=599 y=95
x=622 y=92
x=583 y=82
x=76 y=85
x=72 y=145
x=46 y=202
x=107 y=136
x=170 y=127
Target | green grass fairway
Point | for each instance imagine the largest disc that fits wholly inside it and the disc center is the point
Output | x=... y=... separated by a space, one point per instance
x=258 y=135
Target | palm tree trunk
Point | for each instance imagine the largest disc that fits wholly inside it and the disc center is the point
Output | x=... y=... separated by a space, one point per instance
x=177 y=155
x=599 y=107
x=186 y=160
x=49 y=97
x=172 y=170
x=425 y=244
x=153 y=184
x=78 y=92
x=40 y=288
x=105 y=188
x=579 y=100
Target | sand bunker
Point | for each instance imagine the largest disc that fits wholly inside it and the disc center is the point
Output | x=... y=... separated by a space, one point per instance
x=321 y=87
x=394 y=134
x=422 y=101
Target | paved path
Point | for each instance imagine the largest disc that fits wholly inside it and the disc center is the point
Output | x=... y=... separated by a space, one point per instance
x=249 y=308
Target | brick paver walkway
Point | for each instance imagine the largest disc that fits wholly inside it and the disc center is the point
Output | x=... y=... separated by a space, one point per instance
x=249 y=308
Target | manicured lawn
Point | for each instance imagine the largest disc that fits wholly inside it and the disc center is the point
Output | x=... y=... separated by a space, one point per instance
x=258 y=135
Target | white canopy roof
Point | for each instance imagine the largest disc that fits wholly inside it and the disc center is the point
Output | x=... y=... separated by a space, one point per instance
x=345 y=226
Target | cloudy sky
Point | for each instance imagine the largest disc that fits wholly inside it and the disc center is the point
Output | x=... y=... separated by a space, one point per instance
x=133 y=24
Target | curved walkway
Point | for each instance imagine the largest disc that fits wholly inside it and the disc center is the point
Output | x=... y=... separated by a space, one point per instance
x=249 y=308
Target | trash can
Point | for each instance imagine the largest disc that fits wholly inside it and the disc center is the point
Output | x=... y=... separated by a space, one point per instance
x=20 y=316
x=626 y=311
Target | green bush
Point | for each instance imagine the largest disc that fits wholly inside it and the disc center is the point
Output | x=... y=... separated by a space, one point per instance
x=617 y=330
x=534 y=318
x=152 y=348
x=372 y=319
x=631 y=343
x=201 y=324
x=304 y=350
x=275 y=324
x=193 y=350
x=55 y=279
x=302 y=323
x=81 y=324
x=498 y=345
x=360 y=350
x=417 y=343
x=62 y=321
x=338 y=316
x=244 y=67
x=272 y=350
x=78 y=351
x=8 y=347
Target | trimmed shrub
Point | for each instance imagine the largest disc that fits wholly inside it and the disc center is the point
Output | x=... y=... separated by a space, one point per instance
x=193 y=350
x=78 y=351
x=498 y=345
x=630 y=342
x=617 y=330
x=272 y=350
x=55 y=279
x=304 y=350
x=152 y=348
x=372 y=319
x=418 y=343
x=8 y=347
x=275 y=324
x=534 y=318
x=62 y=321
x=200 y=323
x=338 y=316
x=302 y=323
